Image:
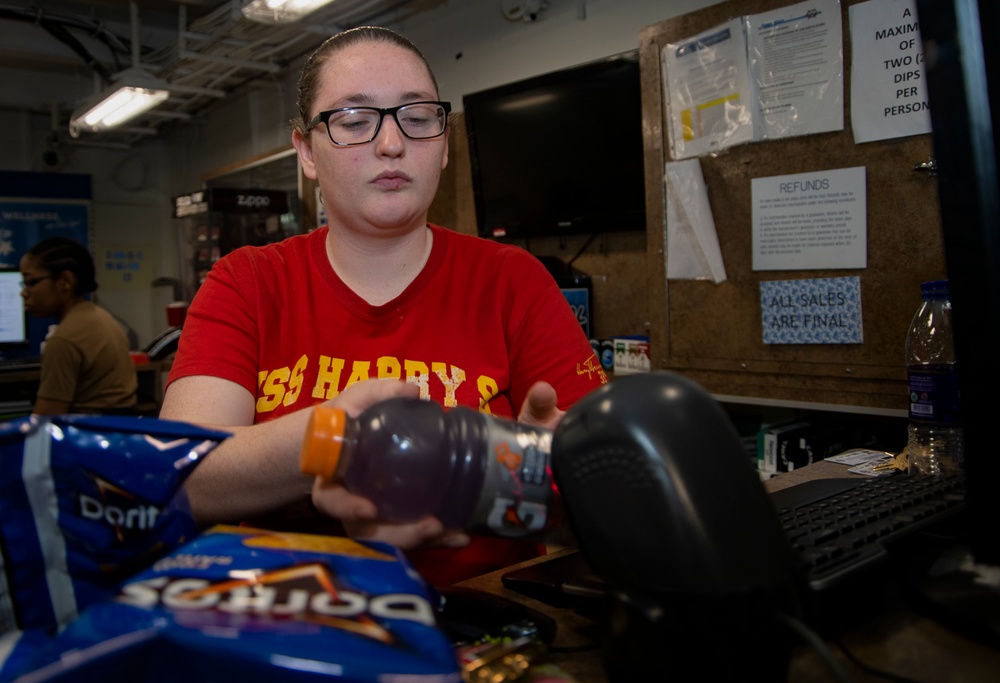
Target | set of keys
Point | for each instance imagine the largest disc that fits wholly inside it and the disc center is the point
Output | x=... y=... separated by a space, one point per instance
x=900 y=462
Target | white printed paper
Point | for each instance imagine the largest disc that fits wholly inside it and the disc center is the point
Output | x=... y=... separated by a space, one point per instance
x=693 y=251
x=859 y=456
x=707 y=91
x=797 y=69
x=888 y=91
x=816 y=220
x=864 y=461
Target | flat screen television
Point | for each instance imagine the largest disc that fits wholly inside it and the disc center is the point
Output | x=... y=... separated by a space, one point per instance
x=560 y=153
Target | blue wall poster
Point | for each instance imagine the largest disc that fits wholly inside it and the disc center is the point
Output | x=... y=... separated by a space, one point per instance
x=24 y=223
x=579 y=301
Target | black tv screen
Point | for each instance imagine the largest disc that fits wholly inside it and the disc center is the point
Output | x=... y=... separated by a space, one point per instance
x=560 y=153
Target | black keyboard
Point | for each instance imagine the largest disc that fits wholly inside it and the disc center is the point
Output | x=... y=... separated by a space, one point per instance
x=20 y=361
x=838 y=528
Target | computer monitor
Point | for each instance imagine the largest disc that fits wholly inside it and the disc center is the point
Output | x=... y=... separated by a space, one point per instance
x=958 y=42
x=964 y=106
x=13 y=329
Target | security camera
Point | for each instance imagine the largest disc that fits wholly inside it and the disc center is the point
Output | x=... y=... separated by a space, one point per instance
x=51 y=158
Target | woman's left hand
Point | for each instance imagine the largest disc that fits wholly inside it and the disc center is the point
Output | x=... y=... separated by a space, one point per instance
x=540 y=408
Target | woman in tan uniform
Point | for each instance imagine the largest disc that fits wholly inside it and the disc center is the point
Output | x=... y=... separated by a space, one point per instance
x=86 y=366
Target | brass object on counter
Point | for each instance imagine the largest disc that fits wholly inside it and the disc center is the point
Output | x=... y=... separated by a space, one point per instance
x=506 y=661
x=900 y=462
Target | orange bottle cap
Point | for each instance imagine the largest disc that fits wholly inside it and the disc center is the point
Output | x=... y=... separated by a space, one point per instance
x=323 y=439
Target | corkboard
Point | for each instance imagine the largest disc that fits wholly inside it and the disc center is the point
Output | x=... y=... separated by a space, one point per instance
x=712 y=333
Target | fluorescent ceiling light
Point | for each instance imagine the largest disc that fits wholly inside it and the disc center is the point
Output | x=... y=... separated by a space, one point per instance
x=133 y=92
x=281 y=11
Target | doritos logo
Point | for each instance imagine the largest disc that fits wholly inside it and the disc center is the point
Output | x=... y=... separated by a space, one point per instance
x=118 y=508
x=304 y=592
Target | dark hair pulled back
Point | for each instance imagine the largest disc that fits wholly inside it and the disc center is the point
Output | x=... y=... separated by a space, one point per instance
x=58 y=254
x=309 y=78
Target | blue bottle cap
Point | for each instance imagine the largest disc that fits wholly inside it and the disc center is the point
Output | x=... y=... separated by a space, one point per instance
x=937 y=289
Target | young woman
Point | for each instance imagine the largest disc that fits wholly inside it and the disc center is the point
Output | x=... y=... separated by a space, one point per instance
x=86 y=366
x=379 y=304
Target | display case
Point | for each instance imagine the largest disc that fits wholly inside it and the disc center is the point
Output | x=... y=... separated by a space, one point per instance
x=214 y=221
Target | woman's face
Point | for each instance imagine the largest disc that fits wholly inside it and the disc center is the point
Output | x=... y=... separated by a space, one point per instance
x=42 y=297
x=386 y=185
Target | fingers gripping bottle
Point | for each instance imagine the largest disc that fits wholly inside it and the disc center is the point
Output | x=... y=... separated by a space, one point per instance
x=412 y=458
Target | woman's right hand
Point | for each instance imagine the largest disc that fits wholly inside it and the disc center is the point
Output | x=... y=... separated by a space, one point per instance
x=360 y=519
x=358 y=514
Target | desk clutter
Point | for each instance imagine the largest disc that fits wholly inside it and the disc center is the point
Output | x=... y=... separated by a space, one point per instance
x=626 y=355
x=106 y=576
x=20 y=376
x=785 y=445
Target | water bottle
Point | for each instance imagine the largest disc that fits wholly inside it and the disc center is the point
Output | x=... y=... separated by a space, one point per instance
x=412 y=458
x=934 y=444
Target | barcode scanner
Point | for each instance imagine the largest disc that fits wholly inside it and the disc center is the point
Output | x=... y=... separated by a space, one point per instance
x=667 y=508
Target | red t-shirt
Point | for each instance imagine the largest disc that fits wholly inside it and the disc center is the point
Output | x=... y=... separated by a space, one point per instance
x=478 y=326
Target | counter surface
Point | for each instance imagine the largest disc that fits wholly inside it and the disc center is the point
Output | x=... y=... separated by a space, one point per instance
x=896 y=638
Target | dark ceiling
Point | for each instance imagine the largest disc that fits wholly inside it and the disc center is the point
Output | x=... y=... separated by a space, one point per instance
x=56 y=53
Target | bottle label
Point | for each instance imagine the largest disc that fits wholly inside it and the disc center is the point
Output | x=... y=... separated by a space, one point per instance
x=934 y=397
x=518 y=484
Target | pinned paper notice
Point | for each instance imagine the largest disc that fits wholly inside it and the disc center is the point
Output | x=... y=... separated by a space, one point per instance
x=888 y=83
x=817 y=311
x=693 y=251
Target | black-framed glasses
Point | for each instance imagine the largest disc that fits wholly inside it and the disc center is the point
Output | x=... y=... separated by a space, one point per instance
x=28 y=283
x=358 y=125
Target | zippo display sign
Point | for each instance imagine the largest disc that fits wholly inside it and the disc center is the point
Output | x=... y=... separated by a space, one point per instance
x=231 y=200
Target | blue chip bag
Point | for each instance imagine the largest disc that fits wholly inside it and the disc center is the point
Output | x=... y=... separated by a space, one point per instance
x=243 y=604
x=86 y=501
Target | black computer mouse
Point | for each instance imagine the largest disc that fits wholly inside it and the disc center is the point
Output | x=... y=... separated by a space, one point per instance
x=668 y=509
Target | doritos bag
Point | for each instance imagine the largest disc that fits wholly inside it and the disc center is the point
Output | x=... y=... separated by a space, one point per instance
x=242 y=604
x=85 y=502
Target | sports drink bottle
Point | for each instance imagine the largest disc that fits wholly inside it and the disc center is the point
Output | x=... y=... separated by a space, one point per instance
x=413 y=458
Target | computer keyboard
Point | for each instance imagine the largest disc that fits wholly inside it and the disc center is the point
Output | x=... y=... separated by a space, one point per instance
x=840 y=527
x=19 y=361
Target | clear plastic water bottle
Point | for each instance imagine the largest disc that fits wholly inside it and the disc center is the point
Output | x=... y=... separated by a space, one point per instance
x=412 y=458
x=934 y=444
